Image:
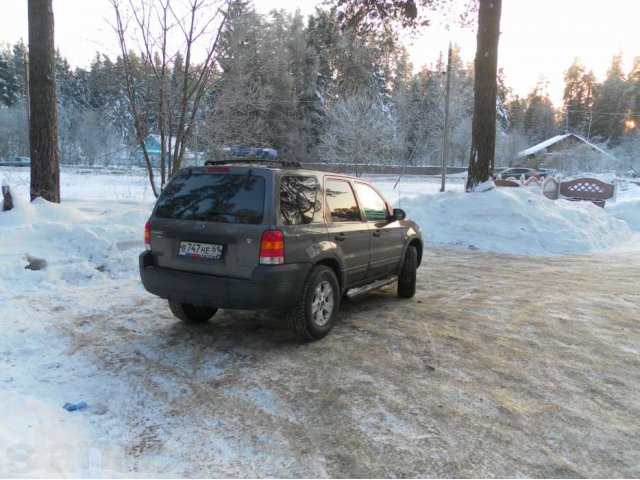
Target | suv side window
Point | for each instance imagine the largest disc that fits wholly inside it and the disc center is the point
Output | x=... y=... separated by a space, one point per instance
x=341 y=202
x=297 y=199
x=374 y=206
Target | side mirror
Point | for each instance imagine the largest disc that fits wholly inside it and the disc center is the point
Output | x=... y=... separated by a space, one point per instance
x=398 y=214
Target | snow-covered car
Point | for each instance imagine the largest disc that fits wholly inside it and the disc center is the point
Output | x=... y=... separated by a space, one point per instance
x=16 y=162
x=517 y=172
x=545 y=171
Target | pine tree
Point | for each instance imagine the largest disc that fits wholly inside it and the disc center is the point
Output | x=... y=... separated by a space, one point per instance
x=481 y=158
x=578 y=98
x=20 y=65
x=503 y=92
x=310 y=106
x=516 y=108
x=237 y=104
x=324 y=39
x=610 y=106
x=45 y=166
x=406 y=103
x=539 y=118
x=633 y=90
x=10 y=91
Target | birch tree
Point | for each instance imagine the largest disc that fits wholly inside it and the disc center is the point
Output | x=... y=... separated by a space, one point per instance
x=177 y=42
x=360 y=132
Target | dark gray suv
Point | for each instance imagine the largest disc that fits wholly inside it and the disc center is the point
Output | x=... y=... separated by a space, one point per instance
x=252 y=236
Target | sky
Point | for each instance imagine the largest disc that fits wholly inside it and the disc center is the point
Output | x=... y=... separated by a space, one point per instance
x=539 y=38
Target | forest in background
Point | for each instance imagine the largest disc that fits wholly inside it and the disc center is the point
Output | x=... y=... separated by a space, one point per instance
x=316 y=93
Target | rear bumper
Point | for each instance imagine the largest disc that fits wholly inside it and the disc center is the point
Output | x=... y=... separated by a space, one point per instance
x=270 y=287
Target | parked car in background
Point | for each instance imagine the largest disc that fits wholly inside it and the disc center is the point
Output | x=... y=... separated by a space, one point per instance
x=272 y=235
x=545 y=171
x=518 y=172
x=16 y=162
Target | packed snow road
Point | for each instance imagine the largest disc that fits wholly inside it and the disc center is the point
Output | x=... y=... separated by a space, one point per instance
x=501 y=366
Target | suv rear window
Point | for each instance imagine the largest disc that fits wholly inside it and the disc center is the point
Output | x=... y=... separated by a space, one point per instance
x=222 y=198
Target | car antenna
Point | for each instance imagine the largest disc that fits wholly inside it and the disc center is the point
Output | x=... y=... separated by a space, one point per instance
x=404 y=164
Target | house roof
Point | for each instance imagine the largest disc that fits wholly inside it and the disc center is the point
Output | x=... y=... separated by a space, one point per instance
x=558 y=138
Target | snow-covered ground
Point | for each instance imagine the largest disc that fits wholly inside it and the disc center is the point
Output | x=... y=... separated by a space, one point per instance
x=89 y=245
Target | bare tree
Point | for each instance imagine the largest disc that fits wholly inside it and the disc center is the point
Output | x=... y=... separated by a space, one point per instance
x=508 y=144
x=174 y=83
x=15 y=132
x=360 y=131
x=483 y=130
x=43 y=122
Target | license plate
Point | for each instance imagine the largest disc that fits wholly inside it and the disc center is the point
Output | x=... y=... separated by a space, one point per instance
x=200 y=250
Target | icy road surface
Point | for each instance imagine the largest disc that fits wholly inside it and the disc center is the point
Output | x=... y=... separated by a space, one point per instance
x=501 y=366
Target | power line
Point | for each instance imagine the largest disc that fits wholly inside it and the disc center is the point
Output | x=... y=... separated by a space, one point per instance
x=632 y=114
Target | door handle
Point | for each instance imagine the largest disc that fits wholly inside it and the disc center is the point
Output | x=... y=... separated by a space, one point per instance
x=339 y=238
x=376 y=233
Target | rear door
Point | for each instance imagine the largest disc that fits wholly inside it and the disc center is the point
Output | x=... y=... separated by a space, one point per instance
x=346 y=228
x=301 y=217
x=386 y=247
x=211 y=221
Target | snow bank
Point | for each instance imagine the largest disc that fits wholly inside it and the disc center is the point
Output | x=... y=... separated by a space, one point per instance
x=628 y=210
x=25 y=212
x=627 y=205
x=515 y=220
x=67 y=245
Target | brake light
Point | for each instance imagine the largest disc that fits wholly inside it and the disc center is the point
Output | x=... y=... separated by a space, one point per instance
x=147 y=235
x=210 y=169
x=272 y=248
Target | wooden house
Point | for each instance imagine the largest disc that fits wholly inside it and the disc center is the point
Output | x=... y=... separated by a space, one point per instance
x=568 y=151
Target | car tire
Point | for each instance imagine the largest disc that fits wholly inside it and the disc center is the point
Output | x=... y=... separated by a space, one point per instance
x=408 y=271
x=191 y=313
x=317 y=306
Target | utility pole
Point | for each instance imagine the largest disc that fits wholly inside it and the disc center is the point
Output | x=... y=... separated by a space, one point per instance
x=445 y=141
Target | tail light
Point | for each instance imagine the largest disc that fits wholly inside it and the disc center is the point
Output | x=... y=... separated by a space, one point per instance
x=147 y=235
x=272 y=248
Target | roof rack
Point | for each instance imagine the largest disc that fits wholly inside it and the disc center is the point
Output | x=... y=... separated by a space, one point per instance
x=282 y=163
x=249 y=155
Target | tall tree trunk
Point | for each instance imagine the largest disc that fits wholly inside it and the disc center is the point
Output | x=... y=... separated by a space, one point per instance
x=483 y=141
x=43 y=122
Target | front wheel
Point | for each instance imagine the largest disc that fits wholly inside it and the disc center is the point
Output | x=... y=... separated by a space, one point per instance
x=407 y=277
x=317 y=306
x=190 y=313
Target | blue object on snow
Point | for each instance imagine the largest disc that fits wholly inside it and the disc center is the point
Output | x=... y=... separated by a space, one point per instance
x=72 y=407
